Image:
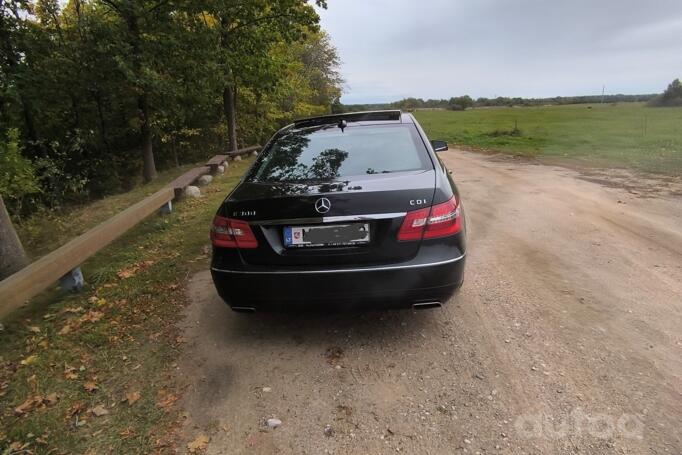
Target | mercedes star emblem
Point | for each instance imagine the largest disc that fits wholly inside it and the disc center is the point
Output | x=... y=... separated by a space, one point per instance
x=323 y=205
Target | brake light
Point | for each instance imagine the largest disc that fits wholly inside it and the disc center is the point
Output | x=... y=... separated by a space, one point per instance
x=413 y=225
x=229 y=233
x=441 y=220
x=444 y=220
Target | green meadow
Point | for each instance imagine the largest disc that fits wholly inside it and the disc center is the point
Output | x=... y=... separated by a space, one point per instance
x=623 y=135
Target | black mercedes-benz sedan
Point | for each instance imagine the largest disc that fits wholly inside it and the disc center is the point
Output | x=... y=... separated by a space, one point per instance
x=352 y=210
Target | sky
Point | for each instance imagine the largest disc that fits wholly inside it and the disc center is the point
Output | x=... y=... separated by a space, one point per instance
x=392 y=49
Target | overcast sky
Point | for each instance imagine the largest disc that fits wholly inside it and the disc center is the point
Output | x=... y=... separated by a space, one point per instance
x=392 y=49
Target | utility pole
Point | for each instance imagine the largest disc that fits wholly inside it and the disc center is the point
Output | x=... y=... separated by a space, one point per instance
x=603 y=90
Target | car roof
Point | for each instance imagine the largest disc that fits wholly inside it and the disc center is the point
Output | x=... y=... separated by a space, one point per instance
x=356 y=119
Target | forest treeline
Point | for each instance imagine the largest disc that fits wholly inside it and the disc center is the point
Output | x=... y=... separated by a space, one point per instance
x=96 y=95
x=464 y=102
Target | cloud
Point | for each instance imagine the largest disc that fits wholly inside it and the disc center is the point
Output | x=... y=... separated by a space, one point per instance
x=443 y=48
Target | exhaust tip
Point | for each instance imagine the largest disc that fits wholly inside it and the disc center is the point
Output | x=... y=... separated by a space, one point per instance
x=243 y=309
x=426 y=305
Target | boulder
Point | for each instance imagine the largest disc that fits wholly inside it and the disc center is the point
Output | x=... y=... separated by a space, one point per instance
x=204 y=180
x=221 y=168
x=254 y=153
x=238 y=158
x=192 y=192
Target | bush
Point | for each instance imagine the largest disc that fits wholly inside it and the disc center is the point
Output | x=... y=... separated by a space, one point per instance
x=17 y=175
x=671 y=97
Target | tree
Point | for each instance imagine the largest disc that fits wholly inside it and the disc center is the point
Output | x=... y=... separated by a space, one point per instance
x=245 y=33
x=102 y=92
x=12 y=67
x=12 y=255
x=17 y=179
x=144 y=24
x=672 y=96
x=460 y=103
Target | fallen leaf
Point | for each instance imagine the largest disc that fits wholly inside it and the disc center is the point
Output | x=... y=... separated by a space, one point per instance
x=99 y=411
x=130 y=272
x=74 y=310
x=66 y=329
x=92 y=316
x=51 y=399
x=30 y=360
x=34 y=329
x=199 y=444
x=42 y=440
x=70 y=372
x=90 y=386
x=29 y=405
x=166 y=399
x=76 y=408
x=127 y=432
x=17 y=447
x=132 y=397
x=126 y=273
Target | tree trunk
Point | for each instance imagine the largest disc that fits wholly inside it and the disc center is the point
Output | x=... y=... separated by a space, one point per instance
x=149 y=169
x=231 y=117
x=102 y=121
x=175 y=152
x=12 y=255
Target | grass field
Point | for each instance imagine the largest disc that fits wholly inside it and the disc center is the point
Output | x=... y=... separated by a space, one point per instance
x=627 y=135
x=90 y=373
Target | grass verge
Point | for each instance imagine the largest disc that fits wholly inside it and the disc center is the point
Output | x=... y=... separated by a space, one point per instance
x=91 y=373
x=48 y=230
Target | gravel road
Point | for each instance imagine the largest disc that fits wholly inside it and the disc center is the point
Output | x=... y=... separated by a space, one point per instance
x=566 y=337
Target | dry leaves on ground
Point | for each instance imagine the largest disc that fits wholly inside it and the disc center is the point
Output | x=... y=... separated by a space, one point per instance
x=199 y=444
x=91 y=386
x=72 y=324
x=70 y=372
x=99 y=411
x=131 y=271
x=165 y=399
x=29 y=360
x=91 y=316
x=97 y=301
x=35 y=402
x=132 y=397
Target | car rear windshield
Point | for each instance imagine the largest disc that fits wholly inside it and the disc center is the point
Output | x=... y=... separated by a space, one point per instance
x=330 y=153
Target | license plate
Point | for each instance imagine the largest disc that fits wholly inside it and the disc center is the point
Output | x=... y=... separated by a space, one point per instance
x=333 y=235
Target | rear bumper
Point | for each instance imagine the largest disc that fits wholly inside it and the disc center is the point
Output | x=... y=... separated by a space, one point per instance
x=392 y=286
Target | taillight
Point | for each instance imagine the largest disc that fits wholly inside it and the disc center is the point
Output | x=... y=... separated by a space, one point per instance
x=444 y=220
x=229 y=233
x=441 y=220
x=413 y=225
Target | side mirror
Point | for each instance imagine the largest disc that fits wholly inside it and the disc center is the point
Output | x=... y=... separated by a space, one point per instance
x=439 y=146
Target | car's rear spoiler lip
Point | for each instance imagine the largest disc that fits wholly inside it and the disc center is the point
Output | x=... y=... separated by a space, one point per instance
x=365 y=116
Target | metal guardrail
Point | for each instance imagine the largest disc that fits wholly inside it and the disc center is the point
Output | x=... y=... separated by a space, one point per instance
x=63 y=264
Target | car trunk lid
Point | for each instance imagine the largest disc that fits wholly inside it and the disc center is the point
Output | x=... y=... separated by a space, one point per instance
x=378 y=200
